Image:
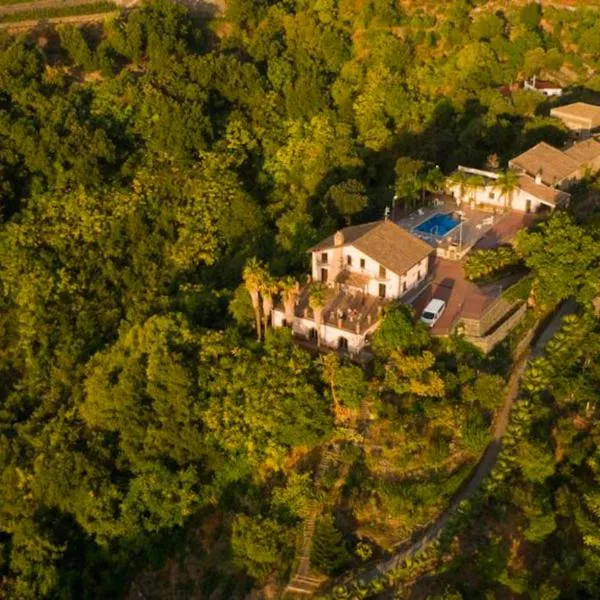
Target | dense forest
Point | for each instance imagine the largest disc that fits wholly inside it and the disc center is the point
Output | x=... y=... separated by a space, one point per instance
x=155 y=175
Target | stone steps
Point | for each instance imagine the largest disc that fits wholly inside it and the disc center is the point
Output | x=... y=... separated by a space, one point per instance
x=304 y=584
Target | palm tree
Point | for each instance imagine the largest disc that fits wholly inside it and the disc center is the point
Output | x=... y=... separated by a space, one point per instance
x=460 y=180
x=254 y=274
x=289 y=288
x=317 y=298
x=431 y=182
x=474 y=183
x=268 y=288
x=507 y=184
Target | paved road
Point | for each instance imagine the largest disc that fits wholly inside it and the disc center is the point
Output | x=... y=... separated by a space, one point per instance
x=488 y=460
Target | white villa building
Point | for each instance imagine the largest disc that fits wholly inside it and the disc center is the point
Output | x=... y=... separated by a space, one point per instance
x=545 y=173
x=365 y=267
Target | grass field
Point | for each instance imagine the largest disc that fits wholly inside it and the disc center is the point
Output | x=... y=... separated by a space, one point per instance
x=58 y=11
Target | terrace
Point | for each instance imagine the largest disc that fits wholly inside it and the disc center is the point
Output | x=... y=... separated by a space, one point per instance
x=474 y=227
x=354 y=312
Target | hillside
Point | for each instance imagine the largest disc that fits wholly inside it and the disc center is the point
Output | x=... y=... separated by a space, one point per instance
x=163 y=177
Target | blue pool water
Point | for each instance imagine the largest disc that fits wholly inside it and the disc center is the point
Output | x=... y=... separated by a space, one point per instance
x=438 y=225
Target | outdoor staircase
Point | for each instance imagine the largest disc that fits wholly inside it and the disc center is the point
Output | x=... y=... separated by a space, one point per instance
x=303 y=583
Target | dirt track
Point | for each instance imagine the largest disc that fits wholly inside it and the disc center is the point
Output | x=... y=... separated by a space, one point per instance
x=91 y=18
x=488 y=460
x=42 y=4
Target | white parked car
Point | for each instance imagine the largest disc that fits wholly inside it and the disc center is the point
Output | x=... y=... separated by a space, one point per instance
x=433 y=311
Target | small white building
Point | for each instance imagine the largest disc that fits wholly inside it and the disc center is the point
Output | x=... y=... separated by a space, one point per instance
x=547 y=88
x=365 y=268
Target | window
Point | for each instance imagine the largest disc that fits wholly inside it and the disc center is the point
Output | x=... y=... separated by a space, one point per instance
x=343 y=343
x=324 y=257
x=382 y=290
x=312 y=334
x=404 y=286
x=492 y=195
x=362 y=263
x=349 y=260
x=284 y=323
x=382 y=273
x=419 y=276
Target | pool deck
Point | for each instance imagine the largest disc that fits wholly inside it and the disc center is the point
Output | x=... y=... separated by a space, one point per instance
x=448 y=280
x=477 y=225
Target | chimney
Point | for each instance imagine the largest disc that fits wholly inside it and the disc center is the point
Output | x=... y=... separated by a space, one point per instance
x=358 y=327
x=538 y=177
x=338 y=238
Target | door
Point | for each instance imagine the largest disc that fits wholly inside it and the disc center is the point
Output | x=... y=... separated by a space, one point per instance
x=382 y=290
x=324 y=275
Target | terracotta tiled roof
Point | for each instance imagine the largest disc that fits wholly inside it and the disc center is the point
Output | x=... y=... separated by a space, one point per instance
x=385 y=242
x=553 y=164
x=584 y=152
x=546 y=85
x=579 y=110
x=544 y=193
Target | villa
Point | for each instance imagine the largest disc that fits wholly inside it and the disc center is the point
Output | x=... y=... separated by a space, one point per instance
x=365 y=268
x=544 y=174
x=559 y=168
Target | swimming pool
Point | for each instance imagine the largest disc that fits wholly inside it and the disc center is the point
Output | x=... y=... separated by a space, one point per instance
x=438 y=225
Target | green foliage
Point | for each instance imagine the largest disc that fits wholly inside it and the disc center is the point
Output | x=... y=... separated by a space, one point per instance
x=399 y=332
x=483 y=263
x=328 y=553
x=562 y=257
x=487 y=391
x=530 y=15
x=348 y=198
x=132 y=411
x=257 y=544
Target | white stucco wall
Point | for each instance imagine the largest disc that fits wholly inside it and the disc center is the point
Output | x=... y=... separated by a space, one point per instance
x=329 y=334
x=392 y=281
x=483 y=196
x=414 y=276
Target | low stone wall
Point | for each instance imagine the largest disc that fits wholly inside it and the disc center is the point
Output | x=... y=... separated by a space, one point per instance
x=477 y=327
x=487 y=343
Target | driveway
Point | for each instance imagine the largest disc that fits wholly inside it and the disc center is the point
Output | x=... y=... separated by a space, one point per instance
x=461 y=296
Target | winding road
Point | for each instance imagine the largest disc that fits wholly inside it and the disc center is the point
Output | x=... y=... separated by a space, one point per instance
x=487 y=461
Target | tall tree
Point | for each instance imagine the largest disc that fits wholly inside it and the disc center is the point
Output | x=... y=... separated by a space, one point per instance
x=507 y=184
x=254 y=276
